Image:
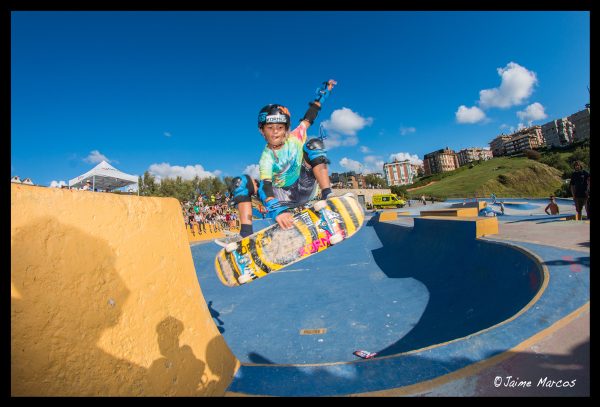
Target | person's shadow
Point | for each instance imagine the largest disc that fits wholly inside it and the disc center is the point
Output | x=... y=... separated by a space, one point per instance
x=65 y=293
x=178 y=372
x=216 y=314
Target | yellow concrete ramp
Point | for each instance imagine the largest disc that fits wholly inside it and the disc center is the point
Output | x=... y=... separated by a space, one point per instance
x=105 y=300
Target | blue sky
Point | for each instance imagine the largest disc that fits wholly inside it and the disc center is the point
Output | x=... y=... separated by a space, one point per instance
x=178 y=93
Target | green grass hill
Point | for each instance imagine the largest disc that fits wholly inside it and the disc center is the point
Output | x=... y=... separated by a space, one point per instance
x=515 y=177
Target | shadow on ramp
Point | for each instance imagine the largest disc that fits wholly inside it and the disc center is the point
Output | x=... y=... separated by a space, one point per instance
x=471 y=284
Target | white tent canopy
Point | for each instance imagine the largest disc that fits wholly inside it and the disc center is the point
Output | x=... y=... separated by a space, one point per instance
x=104 y=177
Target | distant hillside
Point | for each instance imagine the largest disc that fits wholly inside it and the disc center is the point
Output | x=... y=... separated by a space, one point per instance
x=516 y=177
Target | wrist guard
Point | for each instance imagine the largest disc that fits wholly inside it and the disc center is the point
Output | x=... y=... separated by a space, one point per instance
x=265 y=190
x=274 y=208
x=322 y=92
x=311 y=113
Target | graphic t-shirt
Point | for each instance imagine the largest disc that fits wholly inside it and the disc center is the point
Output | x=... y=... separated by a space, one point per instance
x=283 y=166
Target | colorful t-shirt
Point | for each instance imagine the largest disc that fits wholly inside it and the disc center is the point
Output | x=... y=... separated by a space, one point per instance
x=283 y=166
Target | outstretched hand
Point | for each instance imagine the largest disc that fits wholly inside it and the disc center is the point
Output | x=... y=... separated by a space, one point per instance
x=323 y=91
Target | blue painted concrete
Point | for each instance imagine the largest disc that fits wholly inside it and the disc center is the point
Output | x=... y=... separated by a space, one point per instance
x=393 y=290
x=512 y=207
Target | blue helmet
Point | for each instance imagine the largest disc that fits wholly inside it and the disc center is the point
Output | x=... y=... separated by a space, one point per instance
x=274 y=113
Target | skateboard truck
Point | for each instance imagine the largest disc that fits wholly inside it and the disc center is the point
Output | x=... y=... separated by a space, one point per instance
x=328 y=223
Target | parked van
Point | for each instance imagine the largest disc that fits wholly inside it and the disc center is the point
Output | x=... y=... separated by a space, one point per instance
x=387 y=201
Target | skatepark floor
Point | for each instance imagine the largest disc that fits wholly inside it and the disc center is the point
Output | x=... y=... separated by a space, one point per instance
x=442 y=324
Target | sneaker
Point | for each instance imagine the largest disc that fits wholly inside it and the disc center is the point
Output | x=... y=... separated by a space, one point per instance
x=228 y=238
x=243 y=260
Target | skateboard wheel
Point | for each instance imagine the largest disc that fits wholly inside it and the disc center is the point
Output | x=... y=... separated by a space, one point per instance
x=244 y=278
x=231 y=247
x=335 y=239
x=320 y=205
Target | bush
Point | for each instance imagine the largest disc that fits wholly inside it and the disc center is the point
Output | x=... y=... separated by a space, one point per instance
x=503 y=179
x=564 y=191
x=532 y=155
x=557 y=161
x=581 y=154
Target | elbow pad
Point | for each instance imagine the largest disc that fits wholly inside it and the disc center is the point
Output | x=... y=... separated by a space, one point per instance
x=242 y=188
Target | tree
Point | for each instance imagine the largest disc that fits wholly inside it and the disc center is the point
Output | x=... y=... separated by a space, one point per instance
x=147 y=185
x=183 y=190
x=374 y=181
x=557 y=161
x=399 y=190
x=581 y=154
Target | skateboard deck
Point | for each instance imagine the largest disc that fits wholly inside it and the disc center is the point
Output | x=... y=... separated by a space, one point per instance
x=269 y=250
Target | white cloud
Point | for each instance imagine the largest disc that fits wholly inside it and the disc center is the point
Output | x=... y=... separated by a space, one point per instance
x=370 y=164
x=189 y=172
x=407 y=130
x=253 y=171
x=167 y=134
x=413 y=158
x=57 y=184
x=516 y=86
x=364 y=149
x=371 y=158
x=95 y=157
x=534 y=111
x=344 y=121
x=342 y=127
x=469 y=114
x=376 y=166
x=336 y=140
x=351 y=165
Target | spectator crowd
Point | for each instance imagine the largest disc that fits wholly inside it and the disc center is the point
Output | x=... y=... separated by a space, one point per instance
x=210 y=214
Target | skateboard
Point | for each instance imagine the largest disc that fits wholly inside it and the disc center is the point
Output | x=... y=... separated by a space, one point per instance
x=315 y=229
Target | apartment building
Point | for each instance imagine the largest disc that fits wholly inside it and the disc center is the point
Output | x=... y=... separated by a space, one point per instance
x=442 y=160
x=347 y=180
x=497 y=145
x=508 y=144
x=558 y=133
x=521 y=142
x=400 y=172
x=581 y=122
x=467 y=155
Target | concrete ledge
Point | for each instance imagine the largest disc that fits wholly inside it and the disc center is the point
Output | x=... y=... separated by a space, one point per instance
x=458 y=212
x=387 y=216
x=479 y=205
x=463 y=227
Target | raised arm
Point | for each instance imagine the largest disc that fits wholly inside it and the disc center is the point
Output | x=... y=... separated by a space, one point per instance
x=315 y=106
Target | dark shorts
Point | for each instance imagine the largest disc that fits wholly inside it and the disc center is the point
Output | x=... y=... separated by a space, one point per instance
x=579 y=203
x=299 y=193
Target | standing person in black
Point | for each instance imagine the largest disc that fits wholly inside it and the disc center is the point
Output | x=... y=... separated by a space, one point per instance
x=579 y=187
